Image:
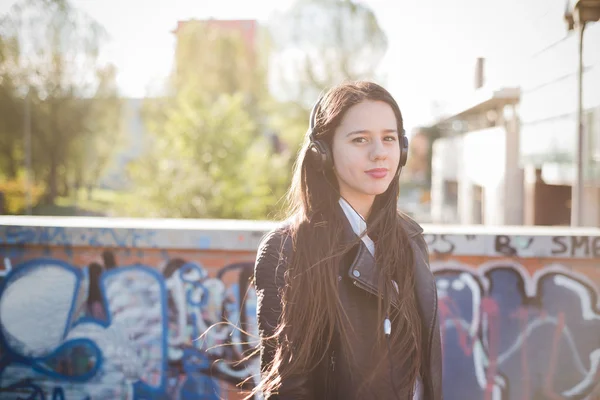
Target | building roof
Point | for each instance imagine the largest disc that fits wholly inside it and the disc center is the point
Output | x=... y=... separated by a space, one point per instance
x=481 y=101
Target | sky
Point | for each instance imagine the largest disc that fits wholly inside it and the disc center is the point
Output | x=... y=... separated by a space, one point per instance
x=433 y=44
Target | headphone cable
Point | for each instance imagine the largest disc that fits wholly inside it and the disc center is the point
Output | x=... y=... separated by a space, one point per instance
x=387 y=329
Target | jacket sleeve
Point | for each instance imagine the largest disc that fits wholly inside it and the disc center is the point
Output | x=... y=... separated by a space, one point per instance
x=269 y=270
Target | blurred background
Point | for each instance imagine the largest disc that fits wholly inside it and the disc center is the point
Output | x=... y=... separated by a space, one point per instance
x=193 y=111
x=196 y=109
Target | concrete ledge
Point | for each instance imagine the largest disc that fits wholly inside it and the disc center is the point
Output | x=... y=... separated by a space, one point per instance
x=243 y=235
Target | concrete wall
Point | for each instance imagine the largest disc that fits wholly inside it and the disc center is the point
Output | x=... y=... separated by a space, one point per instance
x=519 y=309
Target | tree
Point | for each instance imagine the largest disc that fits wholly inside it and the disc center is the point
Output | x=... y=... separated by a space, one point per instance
x=323 y=42
x=222 y=146
x=201 y=161
x=11 y=109
x=103 y=132
x=53 y=60
x=210 y=154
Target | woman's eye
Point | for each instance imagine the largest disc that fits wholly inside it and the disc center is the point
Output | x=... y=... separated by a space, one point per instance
x=391 y=138
x=359 y=140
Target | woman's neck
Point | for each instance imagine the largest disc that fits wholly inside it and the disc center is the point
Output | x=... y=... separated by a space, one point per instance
x=361 y=204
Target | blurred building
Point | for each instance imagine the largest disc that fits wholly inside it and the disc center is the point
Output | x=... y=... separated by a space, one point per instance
x=509 y=155
x=475 y=175
x=548 y=114
x=415 y=195
x=418 y=164
x=246 y=28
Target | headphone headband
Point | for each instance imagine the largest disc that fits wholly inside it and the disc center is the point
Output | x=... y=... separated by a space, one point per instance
x=313 y=116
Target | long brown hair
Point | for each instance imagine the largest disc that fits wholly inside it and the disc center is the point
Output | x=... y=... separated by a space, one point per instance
x=312 y=312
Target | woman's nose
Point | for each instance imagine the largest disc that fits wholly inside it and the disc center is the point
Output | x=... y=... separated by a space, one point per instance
x=378 y=151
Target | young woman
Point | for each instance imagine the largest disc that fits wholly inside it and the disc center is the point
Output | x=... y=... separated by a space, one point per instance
x=347 y=305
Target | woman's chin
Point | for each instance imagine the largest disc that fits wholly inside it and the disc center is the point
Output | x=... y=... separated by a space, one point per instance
x=376 y=190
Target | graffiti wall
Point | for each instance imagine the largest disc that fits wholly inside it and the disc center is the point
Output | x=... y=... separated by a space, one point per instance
x=521 y=320
x=121 y=309
x=111 y=313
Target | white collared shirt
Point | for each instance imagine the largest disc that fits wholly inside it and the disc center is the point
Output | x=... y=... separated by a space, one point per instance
x=358 y=224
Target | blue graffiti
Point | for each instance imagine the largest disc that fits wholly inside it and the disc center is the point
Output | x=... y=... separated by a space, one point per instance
x=196 y=304
x=13 y=239
x=36 y=392
x=508 y=335
x=46 y=338
x=150 y=339
x=16 y=237
x=127 y=238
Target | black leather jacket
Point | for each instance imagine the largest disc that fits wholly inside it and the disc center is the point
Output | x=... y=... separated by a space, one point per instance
x=332 y=380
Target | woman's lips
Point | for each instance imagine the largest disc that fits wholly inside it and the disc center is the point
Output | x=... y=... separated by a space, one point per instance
x=377 y=173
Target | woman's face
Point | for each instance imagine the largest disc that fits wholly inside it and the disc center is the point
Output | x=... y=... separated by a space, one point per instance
x=366 y=152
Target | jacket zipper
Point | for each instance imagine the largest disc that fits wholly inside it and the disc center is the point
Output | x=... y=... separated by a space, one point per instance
x=371 y=290
x=333 y=361
x=365 y=287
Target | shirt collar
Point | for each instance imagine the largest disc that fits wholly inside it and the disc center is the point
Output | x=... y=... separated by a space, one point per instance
x=357 y=223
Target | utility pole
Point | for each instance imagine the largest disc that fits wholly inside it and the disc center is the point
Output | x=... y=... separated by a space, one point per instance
x=578 y=13
x=577 y=192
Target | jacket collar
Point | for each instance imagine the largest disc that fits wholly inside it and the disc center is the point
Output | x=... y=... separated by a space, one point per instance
x=363 y=269
x=411 y=227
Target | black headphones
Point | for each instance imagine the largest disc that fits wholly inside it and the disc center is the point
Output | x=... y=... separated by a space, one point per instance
x=320 y=152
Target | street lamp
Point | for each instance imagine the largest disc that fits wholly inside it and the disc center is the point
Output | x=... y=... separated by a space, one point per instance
x=577 y=14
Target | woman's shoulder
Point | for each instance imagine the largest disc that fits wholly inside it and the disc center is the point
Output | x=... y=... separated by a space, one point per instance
x=272 y=256
x=415 y=234
x=411 y=227
x=277 y=236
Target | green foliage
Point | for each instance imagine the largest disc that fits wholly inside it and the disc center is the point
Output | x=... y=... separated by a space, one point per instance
x=267 y=178
x=11 y=109
x=14 y=192
x=205 y=161
x=210 y=151
x=48 y=62
x=210 y=154
x=103 y=134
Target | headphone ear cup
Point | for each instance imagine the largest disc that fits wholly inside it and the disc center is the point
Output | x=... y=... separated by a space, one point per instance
x=403 y=150
x=321 y=155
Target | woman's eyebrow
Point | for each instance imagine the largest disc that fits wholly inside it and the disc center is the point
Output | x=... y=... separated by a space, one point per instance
x=363 y=131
